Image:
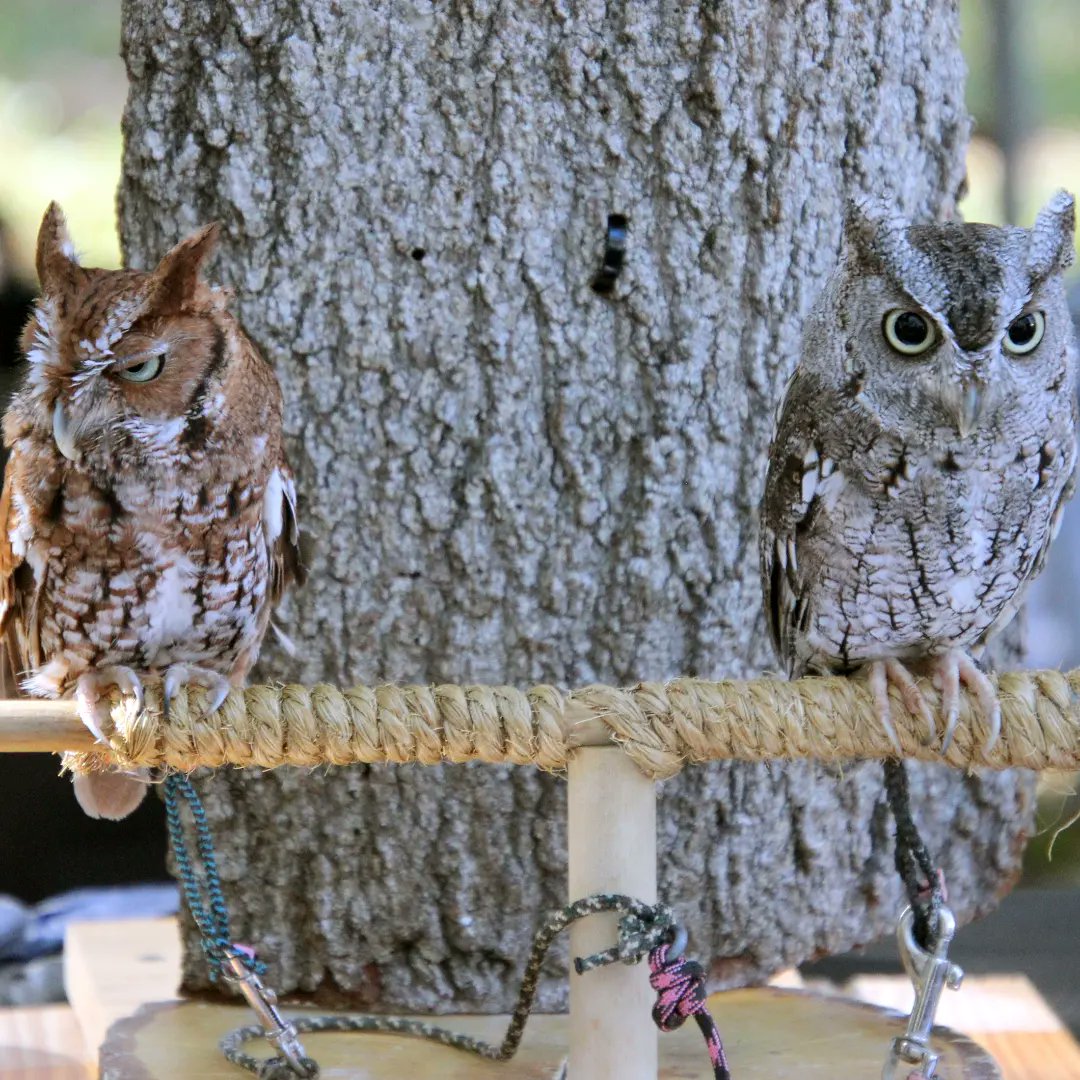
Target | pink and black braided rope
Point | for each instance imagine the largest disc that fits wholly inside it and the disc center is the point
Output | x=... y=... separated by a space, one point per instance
x=680 y=988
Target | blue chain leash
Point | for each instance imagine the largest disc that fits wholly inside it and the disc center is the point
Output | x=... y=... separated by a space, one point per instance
x=206 y=902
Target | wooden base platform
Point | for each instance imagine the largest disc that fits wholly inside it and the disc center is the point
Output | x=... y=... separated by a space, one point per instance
x=769 y=1034
x=114 y=969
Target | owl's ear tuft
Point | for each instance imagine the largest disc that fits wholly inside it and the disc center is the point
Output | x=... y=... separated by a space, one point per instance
x=174 y=283
x=56 y=262
x=862 y=219
x=1051 y=247
x=870 y=227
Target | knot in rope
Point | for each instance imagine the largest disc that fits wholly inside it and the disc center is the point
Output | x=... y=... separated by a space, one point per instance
x=641 y=932
x=641 y=928
x=680 y=993
x=680 y=988
x=644 y=930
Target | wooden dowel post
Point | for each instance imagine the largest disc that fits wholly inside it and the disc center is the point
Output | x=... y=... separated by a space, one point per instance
x=612 y=849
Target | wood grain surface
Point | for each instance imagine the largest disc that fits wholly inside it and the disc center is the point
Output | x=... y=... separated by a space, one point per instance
x=123 y=976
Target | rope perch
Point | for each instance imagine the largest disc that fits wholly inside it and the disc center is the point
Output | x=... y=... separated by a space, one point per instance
x=662 y=726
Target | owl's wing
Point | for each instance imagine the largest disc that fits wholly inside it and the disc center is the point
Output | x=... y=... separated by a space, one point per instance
x=796 y=489
x=19 y=639
x=282 y=533
x=1038 y=563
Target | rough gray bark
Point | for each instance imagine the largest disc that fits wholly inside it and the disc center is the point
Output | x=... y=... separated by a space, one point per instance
x=506 y=477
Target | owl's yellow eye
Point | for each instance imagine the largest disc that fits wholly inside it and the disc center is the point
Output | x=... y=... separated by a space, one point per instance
x=1024 y=333
x=144 y=372
x=908 y=332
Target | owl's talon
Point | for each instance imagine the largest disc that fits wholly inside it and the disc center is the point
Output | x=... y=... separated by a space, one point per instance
x=92 y=694
x=883 y=672
x=879 y=684
x=216 y=685
x=216 y=694
x=174 y=679
x=127 y=682
x=975 y=680
x=947 y=677
x=913 y=698
x=952 y=669
x=91 y=713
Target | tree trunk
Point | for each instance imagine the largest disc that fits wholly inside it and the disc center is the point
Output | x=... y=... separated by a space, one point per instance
x=507 y=476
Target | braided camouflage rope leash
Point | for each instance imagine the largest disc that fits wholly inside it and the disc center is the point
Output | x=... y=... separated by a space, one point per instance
x=644 y=930
x=924 y=935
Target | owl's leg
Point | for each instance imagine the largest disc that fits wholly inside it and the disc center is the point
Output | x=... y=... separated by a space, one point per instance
x=92 y=694
x=883 y=672
x=950 y=670
x=217 y=686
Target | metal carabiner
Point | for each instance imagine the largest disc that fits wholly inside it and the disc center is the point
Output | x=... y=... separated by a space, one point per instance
x=679 y=938
x=263 y=1001
x=930 y=973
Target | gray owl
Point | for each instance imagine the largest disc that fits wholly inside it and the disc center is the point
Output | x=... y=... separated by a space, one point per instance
x=923 y=452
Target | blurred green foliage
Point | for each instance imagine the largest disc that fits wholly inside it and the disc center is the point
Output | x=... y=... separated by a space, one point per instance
x=39 y=33
x=1052 y=858
x=1050 y=49
x=62 y=87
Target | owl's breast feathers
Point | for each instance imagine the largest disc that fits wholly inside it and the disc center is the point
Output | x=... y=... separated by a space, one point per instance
x=883 y=547
x=141 y=573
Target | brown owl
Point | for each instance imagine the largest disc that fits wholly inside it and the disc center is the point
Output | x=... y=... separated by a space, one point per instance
x=150 y=513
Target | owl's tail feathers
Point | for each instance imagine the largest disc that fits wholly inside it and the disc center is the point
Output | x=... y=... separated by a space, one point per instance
x=111 y=795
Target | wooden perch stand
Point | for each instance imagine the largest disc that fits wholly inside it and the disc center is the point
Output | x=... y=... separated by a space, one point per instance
x=613 y=743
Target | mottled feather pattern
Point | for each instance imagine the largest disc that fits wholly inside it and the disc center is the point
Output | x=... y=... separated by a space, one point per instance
x=149 y=510
x=911 y=499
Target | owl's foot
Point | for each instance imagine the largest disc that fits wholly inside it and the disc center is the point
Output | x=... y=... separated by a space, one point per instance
x=92 y=695
x=950 y=670
x=883 y=672
x=111 y=794
x=216 y=685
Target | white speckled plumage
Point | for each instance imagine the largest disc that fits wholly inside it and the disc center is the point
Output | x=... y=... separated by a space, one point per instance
x=911 y=499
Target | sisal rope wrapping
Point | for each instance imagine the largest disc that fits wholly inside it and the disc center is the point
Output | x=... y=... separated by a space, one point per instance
x=662 y=726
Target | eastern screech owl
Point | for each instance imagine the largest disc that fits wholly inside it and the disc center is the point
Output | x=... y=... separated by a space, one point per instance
x=923 y=453
x=149 y=511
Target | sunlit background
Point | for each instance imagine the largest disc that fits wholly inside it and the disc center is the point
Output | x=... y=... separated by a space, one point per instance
x=62 y=88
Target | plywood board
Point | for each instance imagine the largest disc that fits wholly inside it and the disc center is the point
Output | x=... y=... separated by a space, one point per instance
x=111 y=968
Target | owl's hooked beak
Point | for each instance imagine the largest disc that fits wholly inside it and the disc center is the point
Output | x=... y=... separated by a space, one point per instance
x=965 y=398
x=64 y=434
x=971 y=404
